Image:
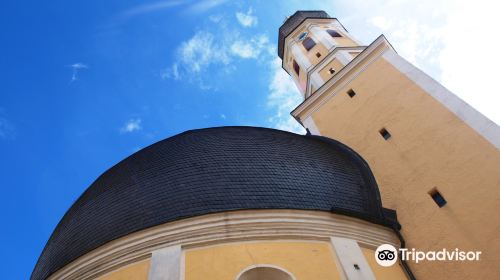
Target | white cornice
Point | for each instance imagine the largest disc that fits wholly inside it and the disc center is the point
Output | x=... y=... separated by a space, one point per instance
x=219 y=228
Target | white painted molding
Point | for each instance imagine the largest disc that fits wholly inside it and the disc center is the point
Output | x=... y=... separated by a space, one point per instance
x=219 y=228
x=300 y=57
x=166 y=264
x=481 y=124
x=344 y=57
x=349 y=254
x=311 y=125
x=316 y=80
x=323 y=37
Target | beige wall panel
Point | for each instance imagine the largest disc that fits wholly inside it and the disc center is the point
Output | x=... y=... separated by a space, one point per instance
x=305 y=260
x=430 y=147
x=335 y=64
x=345 y=42
x=319 y=47
x=135 y=271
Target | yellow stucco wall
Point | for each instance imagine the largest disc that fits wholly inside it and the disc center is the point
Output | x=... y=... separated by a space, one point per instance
x=430 y=147
x=135 y=271
x=325 y=73
x=311 y=54
x=345 y=41
x=394 y=272
x=305 y=260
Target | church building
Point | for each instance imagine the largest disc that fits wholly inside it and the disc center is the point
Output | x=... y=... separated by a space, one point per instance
x=390 y=157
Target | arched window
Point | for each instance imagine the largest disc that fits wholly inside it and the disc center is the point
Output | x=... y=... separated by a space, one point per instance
x=264 y=272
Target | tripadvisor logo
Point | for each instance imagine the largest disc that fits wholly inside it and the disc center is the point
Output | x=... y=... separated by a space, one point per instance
x=387 y=255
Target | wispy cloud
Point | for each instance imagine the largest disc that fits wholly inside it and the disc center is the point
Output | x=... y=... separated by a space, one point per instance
x=195 y=56
x=188 y=7
x=202 y=55
x=282 y=99
x=247 y=19
x=243 y=49
x=131 y=126
x=149 y=8
x=206 y=55
x=252 y=48
x=76 y=67
x=171 y=72
x=202 y=50
x=7 y=129
x=215 y=18
x=205 y=5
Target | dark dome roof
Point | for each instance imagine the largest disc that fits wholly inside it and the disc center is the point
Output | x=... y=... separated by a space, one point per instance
x=214 y=170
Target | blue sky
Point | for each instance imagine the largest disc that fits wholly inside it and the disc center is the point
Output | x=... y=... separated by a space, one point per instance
x=86 y=83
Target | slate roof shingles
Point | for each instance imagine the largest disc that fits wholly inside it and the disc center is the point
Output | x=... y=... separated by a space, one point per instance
x=213 y=170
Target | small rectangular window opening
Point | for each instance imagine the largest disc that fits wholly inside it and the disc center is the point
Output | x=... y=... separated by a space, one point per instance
x=331 y=70
x=296 y=67
x=437 y=197
x=308 y=43
x=333 y=33
x=318 y=55
x=351 y=93
x=385 y=133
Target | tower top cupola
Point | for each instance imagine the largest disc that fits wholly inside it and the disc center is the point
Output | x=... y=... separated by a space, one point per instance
x=314 y=47
x=293 y=22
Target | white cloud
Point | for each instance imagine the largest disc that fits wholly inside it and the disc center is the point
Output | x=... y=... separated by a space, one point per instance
x=247 y=20
x=439 y=36
x=189 y=7
x=468 y=68
x=131 y=126
x=381 y=22
x=7 y=130
x=171 y=73
x=195 y=57
x=202 y=56
x=253 y=48
x=205 y=58
x=215 y=18
x=77 y=67
x=201 y=50
x=205 y=5
x=244 y=49
x=282 y=99
x=149 y=8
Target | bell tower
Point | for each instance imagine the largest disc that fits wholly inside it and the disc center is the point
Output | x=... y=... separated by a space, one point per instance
x=435 y=158
x=313 y=47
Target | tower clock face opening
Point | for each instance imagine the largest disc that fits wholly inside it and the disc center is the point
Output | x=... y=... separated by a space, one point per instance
x=302 y=36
